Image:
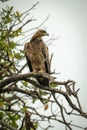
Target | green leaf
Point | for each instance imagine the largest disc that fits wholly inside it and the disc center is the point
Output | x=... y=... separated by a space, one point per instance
x=24 y=109
x=18 y=14
x=12 y=45
x=25 y=83
x=1 y=103
x=36 y=125
x=13 y=123
x=17 y=56
x=53 y=85
x=1 y=115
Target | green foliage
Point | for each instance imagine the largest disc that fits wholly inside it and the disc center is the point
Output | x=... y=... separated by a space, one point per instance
x=10 y=57
x=9 y=31
x=13 y=119
x=12 y=104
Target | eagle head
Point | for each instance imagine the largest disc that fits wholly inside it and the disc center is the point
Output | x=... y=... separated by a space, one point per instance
x=39 y=34
x=42 y=33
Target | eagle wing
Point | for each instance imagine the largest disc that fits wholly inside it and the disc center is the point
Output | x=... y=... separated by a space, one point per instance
x=45 y=53
x=27 y=54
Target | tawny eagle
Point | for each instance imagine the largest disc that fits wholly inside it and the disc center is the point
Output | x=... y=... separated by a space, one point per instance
x=37 y=56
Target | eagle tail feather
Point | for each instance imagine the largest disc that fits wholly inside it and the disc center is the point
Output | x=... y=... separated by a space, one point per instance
x=43 y=81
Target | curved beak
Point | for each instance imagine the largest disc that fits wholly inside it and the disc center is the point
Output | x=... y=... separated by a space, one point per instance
x=47 y=34
x=44 y=34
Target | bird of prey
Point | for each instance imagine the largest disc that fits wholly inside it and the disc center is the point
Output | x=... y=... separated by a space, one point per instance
x=37 y=56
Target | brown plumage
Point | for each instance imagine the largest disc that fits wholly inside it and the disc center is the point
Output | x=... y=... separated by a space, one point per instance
x=37 y=56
